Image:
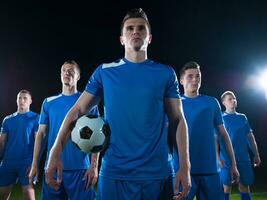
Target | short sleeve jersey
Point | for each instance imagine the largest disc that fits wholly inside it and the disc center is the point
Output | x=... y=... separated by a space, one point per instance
x=20 y=129
x=53 y=112
x=238 y=129
x=202 y=115
x=134 y=96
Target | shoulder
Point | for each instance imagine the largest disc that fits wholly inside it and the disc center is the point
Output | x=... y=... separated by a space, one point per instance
x=52 y=98
x=10 y=117
x=113 y=64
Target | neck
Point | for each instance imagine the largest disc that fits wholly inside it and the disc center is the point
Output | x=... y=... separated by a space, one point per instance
x=69 y=90
x=21 y=110
x=230 y=110
x=136 y=56
x=191 y=94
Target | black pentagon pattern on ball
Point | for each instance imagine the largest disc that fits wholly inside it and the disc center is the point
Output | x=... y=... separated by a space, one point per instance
x=85 y=133
x=91 y=116
x=106 y=130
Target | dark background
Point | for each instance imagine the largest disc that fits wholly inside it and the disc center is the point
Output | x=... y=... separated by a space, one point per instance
x=227 y=38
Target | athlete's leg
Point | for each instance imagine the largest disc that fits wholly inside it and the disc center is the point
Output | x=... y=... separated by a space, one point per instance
x=5 y=192
x=28 y=192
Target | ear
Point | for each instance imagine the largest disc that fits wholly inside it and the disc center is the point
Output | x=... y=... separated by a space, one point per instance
x=150 y=39
x=121 y=40
x=181 y=81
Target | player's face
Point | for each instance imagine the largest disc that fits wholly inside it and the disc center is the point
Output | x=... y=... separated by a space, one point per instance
x=24 y=101
x=191 y=80
x=229 y=102
x=135 y=34
x=69 y=75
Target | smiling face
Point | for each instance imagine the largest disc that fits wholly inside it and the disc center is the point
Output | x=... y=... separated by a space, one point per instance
x=135 y=34
x=191 y=81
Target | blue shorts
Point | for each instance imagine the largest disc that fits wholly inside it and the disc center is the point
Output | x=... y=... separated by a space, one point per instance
x=245 y=171
x=72 y=187
x=206 y=187
x=134 y=190
x=14 y=172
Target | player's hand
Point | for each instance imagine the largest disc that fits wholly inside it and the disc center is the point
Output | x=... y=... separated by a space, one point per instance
x=182 y=177
x=257 y=161
x=33 y=175
x=234 y=174
x=54 y=165
x=91 y=175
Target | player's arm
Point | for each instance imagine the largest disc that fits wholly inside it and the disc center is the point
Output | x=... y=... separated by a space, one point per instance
x=217 y=146
x=254 y=147
x=86 y=102
x=229 y=148
x=37 y=148
x=3 y=138
x=178 y=125
x=92 y=172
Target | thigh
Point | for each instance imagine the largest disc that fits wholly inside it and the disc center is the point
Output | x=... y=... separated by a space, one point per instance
x=246 y=173
x=8 y=175
x=210 y=188
x=118 y=189
x=157 y=189
x=22 y=171
x=225 y=176
x=194 y=187
x=51 y=194
x=75 y=186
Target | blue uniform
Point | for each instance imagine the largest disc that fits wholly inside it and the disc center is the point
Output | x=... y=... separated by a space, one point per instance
x=20 y=129
x=53 y=112
x=134 y=109
x=238 y=129
x=202 y=114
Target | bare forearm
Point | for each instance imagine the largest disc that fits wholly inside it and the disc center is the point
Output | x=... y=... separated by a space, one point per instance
x=37 y=148
x=182 y=143
x=253 y=144
x=94 y=160
x=229 y=148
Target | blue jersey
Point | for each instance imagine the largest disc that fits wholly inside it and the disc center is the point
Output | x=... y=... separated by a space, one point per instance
x=202 y=115
x=238 y=129
x=134 y=109
x=20 y=129
x=53 y=112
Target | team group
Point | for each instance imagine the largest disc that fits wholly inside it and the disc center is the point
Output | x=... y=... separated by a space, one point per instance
x=163 y=144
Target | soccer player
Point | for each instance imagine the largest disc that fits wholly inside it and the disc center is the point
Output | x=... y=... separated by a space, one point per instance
x=16 y=147
x=77 y=171
x=242 y=137
x=137 y=93
x=203 y=115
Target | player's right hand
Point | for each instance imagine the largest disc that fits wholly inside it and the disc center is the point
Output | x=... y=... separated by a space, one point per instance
x=54 y=165
x=33 y=175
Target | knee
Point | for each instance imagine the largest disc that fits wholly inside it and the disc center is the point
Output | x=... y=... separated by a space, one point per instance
x=243 y=188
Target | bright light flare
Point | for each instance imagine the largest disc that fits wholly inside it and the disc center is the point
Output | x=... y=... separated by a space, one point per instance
x=263 y=82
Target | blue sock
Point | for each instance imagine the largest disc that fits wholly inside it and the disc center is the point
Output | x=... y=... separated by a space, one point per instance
x=245 y=196
x=226 y=196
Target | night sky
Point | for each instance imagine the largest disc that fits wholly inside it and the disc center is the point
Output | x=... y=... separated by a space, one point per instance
x=227 y=38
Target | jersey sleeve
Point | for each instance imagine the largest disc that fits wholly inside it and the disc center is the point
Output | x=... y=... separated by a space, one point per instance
x=217 y=113
x=172 y=88
x=44 y=117
x=94 y=85
x=36 y=124
x=4 y=127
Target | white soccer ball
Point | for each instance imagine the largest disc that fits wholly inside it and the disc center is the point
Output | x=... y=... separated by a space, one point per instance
x=90 y=134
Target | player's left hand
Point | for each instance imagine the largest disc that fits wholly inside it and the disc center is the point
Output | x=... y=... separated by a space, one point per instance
x=182 y=177
x=91 y=175
x=234 y=174
x=257 y=161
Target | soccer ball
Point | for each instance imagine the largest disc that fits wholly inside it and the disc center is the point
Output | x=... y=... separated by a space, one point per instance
x=90 y=134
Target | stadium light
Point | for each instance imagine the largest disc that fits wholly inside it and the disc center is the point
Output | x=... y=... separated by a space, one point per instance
x=263 y=82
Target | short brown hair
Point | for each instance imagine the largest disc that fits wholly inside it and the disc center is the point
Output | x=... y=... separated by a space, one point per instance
x=227 y=93
x=136 y=13
x=189 y=65
x=25 y=92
